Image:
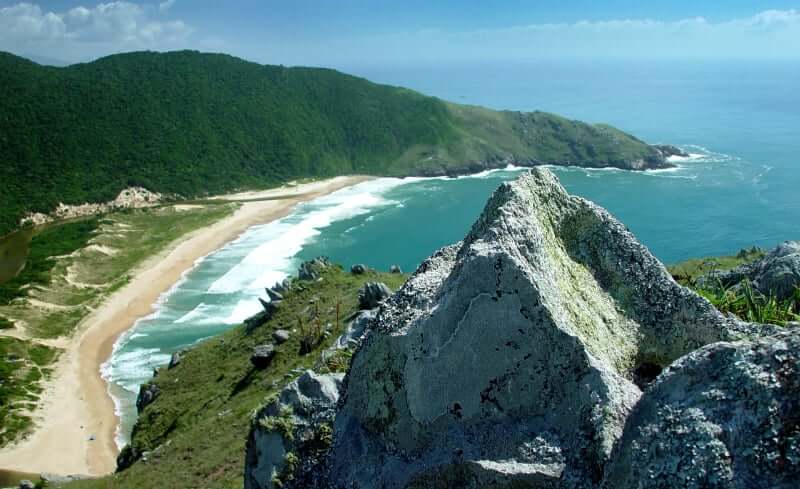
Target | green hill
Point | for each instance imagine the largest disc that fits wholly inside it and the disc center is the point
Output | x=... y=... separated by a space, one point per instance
x=190 y=124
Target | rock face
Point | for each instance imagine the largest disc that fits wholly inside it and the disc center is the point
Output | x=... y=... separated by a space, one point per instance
x=372 y=294
x=725 y=416
x=777 y=274
x=291 y=432
x=513 y=358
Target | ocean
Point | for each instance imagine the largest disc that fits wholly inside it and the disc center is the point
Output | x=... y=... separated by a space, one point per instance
x=740 y=122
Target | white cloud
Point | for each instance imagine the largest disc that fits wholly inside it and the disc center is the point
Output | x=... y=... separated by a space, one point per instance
x=165 y=6
x=768 y=34
x=84 y=32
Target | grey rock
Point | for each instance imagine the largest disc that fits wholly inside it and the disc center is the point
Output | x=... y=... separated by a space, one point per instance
x=395 y=269
x=309 y=270
x=725 y=416
x=510 y=356
x=147 y=394
x=174 y=360
x=296 y=423
x=358 y=269
x=262 y=355
x=372 y=294
x=282 y=287
x=281 y=336
x=273 y=295
x=57 y=480
x=257 y=320
x=776 y=274
x=26 y=484
x=261 y=317
x=668 y=150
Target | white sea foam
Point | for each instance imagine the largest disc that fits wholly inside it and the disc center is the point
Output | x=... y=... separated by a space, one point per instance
x=281 y=240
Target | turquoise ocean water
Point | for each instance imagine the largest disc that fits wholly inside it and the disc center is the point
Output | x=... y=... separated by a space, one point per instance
x=740 y=187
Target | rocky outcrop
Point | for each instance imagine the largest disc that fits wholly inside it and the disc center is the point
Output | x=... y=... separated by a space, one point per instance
x=775 y=275
x=668 y=150
x=513 y=358
x=291 y=432
x=372 y=294
x=175 y=360
x=309 y=270
x=358 y=269
x=726 y=416
x=262 y=355
x=395 y=269
x=147 y=394
x=130 y=198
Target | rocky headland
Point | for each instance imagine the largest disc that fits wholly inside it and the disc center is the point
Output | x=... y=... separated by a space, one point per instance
x=547 y=349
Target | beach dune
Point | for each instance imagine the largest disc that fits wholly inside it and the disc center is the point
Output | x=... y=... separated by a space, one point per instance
x=76 y=421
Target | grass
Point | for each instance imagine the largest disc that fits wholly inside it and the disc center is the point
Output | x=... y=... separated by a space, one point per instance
x=687 y=272
x=750 y=305
x=72 y=267
x=743 y=301
x=199 y=423
x=24 y=365
x=45 y=248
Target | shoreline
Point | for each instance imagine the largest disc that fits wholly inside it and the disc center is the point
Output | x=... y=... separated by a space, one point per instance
x=77 y=417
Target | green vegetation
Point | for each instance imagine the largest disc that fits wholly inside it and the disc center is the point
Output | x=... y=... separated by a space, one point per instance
x=45 y=248
x=22 y=366
x=70 y=268
x=687 y=272
x=196 y=429
x=94 y=258
x=190 y=124
x=750 y=305
x=742 y=301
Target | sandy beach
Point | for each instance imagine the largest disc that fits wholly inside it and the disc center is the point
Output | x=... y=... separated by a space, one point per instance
x=76 y=420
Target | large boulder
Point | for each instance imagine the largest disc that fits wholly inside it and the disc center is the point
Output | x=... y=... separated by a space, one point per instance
x=509 y=359
x=775 y=275
x=291 y=432
x=726 y=416
x=372 y=294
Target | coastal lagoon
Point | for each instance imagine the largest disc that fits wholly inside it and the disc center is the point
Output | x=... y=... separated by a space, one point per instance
x=739 y=188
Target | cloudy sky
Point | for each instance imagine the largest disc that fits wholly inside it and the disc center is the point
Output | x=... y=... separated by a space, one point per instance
x=349 y=33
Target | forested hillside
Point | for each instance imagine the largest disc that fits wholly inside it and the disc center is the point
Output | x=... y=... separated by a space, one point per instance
x=189 y=124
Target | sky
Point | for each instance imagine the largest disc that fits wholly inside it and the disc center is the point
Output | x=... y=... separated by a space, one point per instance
x=363 y=34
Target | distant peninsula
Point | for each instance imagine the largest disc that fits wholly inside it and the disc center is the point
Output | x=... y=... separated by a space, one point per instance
x=189 y=124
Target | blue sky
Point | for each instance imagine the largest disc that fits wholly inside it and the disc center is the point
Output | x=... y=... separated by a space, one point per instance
x=344 y=33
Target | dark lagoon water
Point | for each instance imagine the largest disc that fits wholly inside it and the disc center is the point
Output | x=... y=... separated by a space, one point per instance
x=740 y=187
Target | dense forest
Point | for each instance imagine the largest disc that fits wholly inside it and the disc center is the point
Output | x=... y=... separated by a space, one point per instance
x=190 y=124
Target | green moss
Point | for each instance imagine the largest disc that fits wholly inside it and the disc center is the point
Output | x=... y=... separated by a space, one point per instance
x=290 y=463
x=283 y=423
